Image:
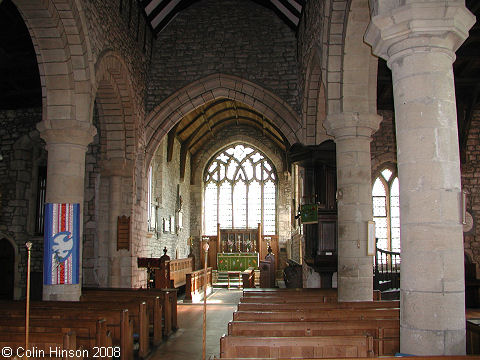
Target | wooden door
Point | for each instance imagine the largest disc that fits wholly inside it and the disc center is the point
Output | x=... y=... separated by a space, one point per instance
x=7 y=269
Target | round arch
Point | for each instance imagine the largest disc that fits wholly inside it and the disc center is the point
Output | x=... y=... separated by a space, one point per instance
x=216 y=86
x=314 y=102
x=114 y=97
x=64 y=68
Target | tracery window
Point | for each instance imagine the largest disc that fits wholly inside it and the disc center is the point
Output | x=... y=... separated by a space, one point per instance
x=240 y=190
x=386 y=210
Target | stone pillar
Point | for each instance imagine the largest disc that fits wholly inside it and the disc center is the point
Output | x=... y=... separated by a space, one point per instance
x=352 y=132
x=65 y=173
x=418 y=40
x=116 y=170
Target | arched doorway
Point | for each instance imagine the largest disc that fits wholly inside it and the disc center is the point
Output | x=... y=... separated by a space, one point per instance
x=7 y=269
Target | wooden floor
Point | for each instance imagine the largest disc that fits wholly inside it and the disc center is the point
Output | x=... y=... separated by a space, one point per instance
x=186 y=342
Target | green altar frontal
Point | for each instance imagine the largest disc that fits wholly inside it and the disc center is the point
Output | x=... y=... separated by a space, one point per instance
x=236 y=261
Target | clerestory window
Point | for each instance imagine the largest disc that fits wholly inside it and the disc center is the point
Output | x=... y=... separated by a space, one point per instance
x=240 y=186
x=386 y=210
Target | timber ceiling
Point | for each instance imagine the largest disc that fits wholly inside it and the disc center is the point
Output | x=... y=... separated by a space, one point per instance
x=160 y=12
x=204 y=123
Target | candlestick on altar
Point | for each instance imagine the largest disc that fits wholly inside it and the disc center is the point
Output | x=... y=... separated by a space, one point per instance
x=28 y=245
x=204 y=349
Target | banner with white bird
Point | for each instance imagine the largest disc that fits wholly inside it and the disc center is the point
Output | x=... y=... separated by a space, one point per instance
x=62 y=244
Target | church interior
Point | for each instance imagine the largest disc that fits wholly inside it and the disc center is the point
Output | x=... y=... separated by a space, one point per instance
x=323 y=156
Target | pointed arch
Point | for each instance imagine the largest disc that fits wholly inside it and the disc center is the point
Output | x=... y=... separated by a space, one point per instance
x=216 y=86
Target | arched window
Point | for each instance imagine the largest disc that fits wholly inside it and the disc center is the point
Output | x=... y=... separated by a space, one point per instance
x=240 y=190
x=386 y=210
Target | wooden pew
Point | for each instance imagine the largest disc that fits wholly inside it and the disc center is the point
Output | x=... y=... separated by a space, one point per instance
x=289 y=292
x=315 y=347
x=313 y=305
x=385 y=333
x=153 y=311
x=194 y=287
x=167 y=297
x=90 y=334
x=316 y=315
x=44 y=345
x=117 y=319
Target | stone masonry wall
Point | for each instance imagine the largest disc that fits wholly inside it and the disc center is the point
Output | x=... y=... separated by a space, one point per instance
x=22 y=152
x=383 y=147
x=231 y=37
x=470 y=183
x=309 y=36
x=167 y=184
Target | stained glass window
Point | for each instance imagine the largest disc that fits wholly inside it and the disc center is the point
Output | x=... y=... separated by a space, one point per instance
x=386 y=210
x=244 y=182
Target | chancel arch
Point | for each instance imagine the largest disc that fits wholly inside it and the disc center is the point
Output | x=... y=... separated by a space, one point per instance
x=214 y=87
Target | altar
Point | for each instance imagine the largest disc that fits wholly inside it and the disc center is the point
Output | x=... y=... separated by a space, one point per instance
x=238 y=249
x=237 y=261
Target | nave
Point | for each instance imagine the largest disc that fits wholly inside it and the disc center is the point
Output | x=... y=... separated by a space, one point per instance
x=186 y=342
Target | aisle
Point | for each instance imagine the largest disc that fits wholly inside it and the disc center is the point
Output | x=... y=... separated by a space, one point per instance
x=186 y=342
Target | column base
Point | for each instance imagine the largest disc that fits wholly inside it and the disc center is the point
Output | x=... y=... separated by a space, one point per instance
x=62 y=292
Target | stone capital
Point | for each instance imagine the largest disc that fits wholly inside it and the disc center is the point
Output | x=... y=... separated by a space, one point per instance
x=117 y=167
x=420 y=26
x=74 y=133
x=352 y=124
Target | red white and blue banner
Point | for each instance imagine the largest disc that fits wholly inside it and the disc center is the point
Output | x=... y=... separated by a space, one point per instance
x=62 y=244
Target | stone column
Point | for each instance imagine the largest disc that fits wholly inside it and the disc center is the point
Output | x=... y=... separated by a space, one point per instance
x=116 y=170
x=418 y=40
x=65 y=173
x=352 y=132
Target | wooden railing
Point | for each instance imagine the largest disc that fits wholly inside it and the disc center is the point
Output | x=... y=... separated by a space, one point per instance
x=386 y=270
x=195 y=282
x=173 y=272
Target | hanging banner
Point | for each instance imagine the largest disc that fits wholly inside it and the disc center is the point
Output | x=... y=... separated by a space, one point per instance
x=309 y=213
x=61 y=244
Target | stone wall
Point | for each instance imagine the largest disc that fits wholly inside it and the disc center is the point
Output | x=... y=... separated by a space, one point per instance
x=22 y=151
x=123 y=33
x=383 y=147
x=172 y=196
x=230 y=37
x=470 y=183
x=309 y=36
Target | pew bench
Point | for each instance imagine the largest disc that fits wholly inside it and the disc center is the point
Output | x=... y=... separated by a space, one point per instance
x=117 y=320
x=168 y=302
x=385 y=333
x=90 y=334
x=288 y=299
x=316 y=315
x=315 y=347
x=313 y=305
x=44 y=345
